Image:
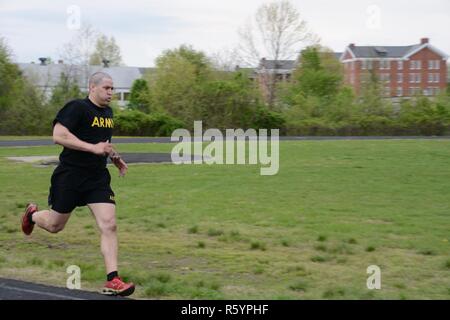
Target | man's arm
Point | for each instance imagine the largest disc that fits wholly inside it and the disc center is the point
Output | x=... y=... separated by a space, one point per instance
x=118 y=162
x=62 y=136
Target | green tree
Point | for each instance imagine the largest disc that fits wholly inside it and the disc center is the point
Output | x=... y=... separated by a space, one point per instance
x=422 y=115
x=106 y=48
x=343 y=106
x=9 y=80
x=140 y=96
x=65 y=90
x=229 y=103
x=317 y=75
x=176 y=85
x=21 y=106
x=315 y=84
x=371 y=100
x=198 y=59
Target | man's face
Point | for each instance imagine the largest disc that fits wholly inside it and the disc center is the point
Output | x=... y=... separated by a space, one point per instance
x=103 y=91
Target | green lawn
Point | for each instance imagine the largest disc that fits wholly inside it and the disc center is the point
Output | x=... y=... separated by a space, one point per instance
x=226 y=232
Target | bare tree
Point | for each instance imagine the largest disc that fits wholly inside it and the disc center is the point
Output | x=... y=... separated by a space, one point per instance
x=225 y=59
x=276 y=33
x=77 y=52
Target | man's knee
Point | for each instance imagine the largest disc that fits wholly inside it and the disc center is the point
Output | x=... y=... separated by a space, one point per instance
x=56 y=227
x=108 y=226
x=57 y=221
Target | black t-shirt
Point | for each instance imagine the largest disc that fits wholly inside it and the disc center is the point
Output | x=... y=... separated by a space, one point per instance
x=88 y=123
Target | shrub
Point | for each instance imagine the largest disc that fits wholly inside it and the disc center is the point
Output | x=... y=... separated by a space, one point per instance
x=137 y=123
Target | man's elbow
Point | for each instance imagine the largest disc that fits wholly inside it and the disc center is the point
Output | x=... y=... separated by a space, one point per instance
x=58 y=134
x=55 y=139
x=58 y=137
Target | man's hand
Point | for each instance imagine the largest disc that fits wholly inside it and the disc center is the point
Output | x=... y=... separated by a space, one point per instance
x=118 y=162
x=102 y=148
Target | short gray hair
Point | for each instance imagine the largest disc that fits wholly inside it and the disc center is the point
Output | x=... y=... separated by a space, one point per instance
x=97 y=77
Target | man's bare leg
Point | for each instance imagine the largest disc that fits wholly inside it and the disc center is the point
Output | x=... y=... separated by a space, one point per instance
x=50 y=220
x=105 y=216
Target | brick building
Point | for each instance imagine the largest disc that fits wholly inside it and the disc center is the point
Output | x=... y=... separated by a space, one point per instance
x=404 y=70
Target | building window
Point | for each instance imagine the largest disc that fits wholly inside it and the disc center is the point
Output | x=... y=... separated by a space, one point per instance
x=415 y=65
x=412 y=77
x=385 y=77
x=399 y=92
x=400 y=77
x=434 y=64
x=385 y=64
x=367 y=64
x=400 y=65
x=433 y=77
x=414 y=90
x=387 y=91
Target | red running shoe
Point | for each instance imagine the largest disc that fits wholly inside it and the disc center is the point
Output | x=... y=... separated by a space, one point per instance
x=116 y=287
x=27 y=226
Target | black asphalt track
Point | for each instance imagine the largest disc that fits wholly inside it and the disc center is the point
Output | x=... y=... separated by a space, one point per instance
x=20 y=290
x=47 y=142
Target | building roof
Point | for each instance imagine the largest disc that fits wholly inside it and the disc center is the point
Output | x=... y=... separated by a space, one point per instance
x=338 y=55
x=393 y=52
x=277 y=64
x=382 y=51
x=49 y=75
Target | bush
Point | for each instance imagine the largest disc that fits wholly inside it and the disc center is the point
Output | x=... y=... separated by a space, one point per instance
x=137 y=123
x=310 y=127
x=266 y=119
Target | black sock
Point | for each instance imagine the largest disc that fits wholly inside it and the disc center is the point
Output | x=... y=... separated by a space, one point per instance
x=30 y=218
x=112 y=275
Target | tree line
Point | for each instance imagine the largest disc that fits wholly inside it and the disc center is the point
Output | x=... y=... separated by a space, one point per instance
x=186 y=87
x=189 y=85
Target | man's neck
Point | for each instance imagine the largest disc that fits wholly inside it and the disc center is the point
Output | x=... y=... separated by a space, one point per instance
x=95 y=102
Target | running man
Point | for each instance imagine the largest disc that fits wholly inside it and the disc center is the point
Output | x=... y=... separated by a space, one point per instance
x=84 y=128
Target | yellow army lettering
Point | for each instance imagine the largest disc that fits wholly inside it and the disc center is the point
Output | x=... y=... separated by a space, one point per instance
x=102 y=122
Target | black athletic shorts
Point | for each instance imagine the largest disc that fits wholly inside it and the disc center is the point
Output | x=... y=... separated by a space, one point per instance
x=74 y=187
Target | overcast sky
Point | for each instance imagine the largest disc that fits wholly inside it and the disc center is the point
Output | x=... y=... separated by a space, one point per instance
x=143 y=29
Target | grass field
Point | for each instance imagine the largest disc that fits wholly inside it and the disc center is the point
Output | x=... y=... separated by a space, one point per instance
x=226 y=232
